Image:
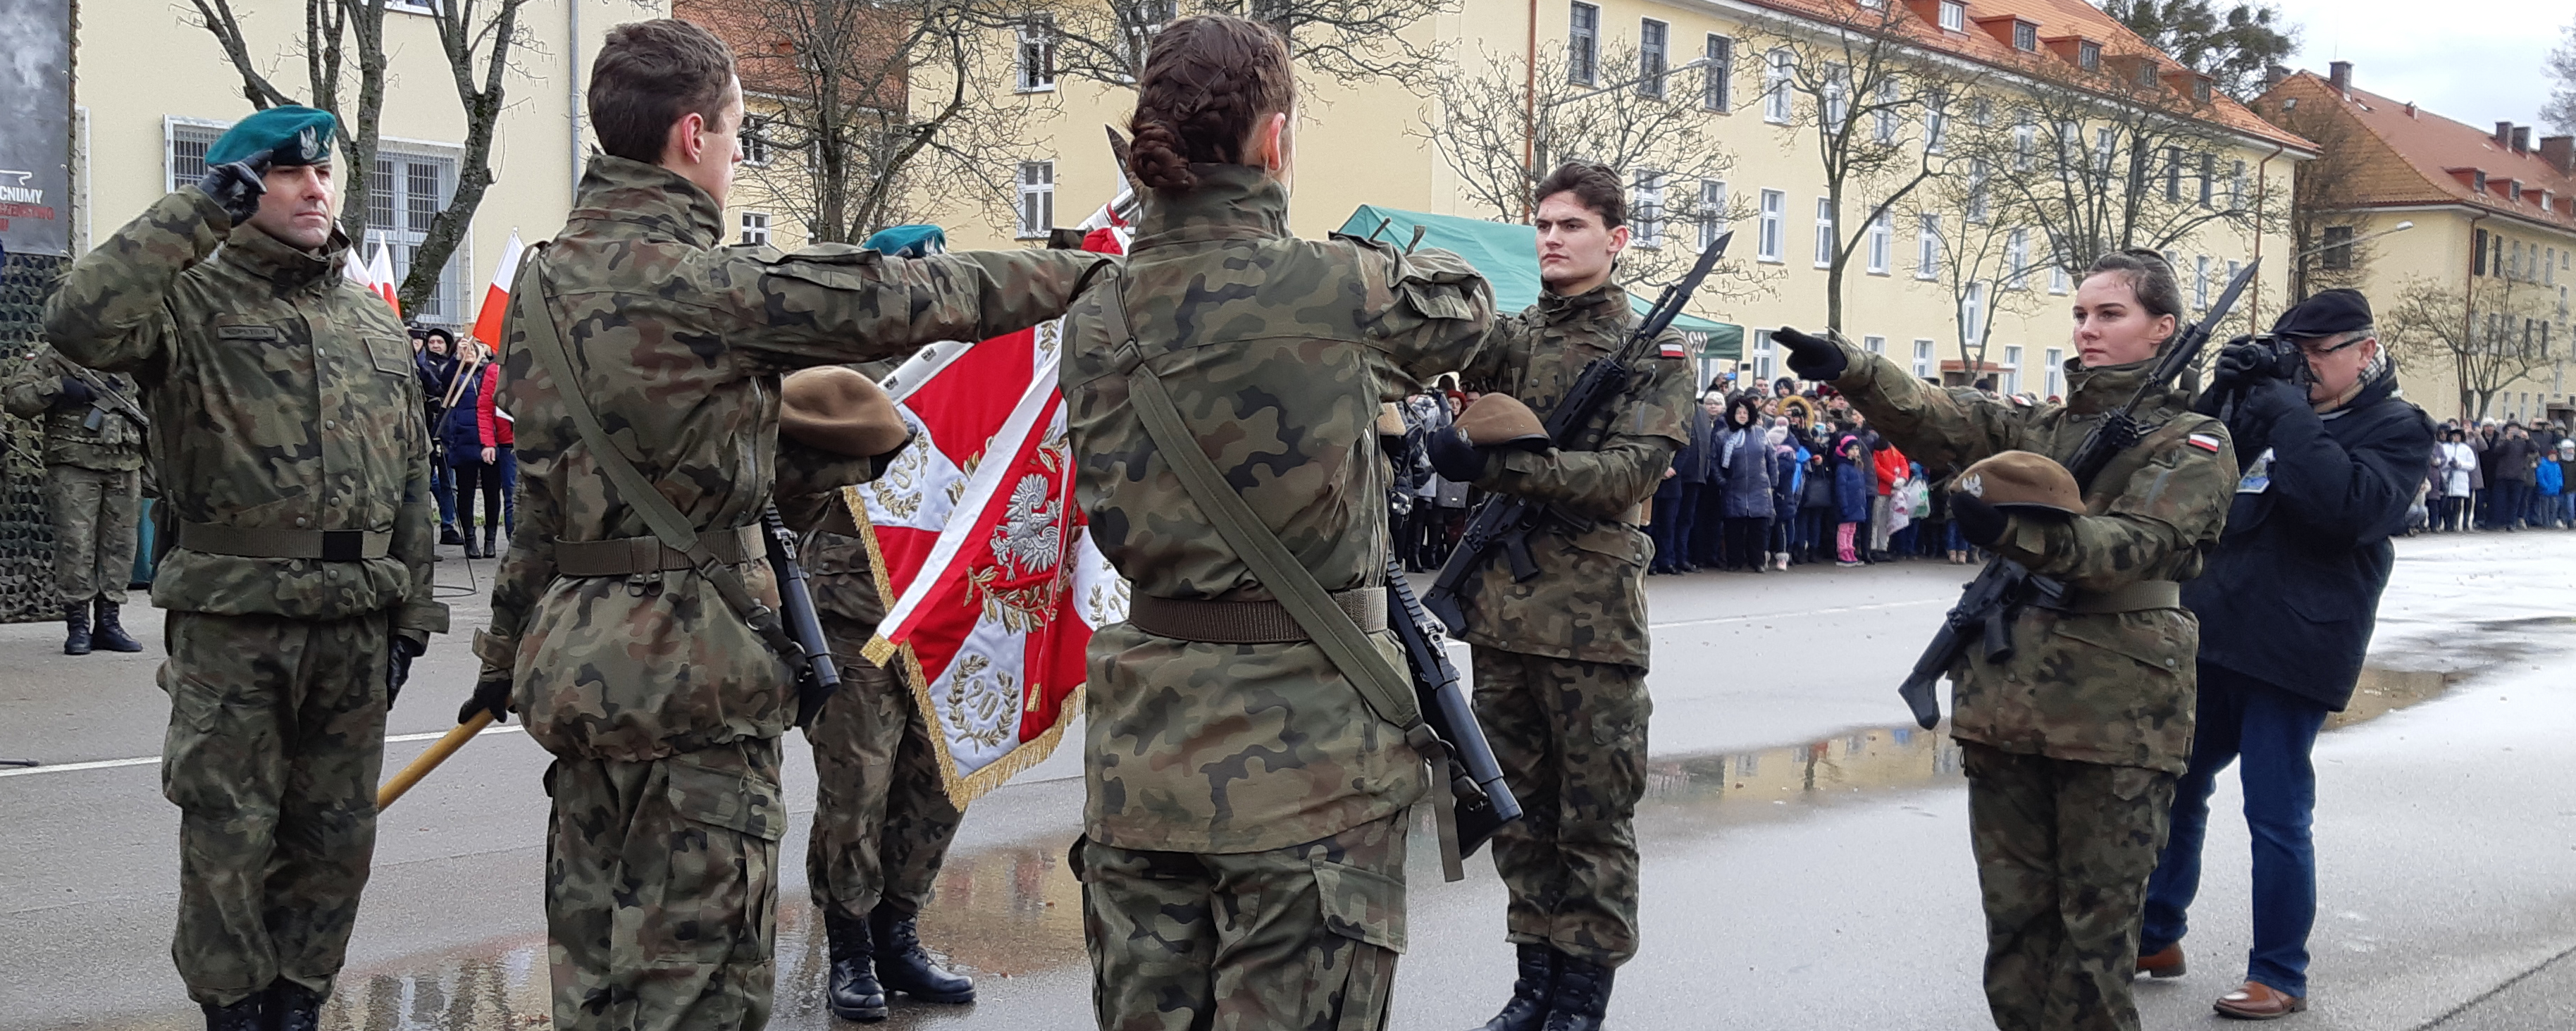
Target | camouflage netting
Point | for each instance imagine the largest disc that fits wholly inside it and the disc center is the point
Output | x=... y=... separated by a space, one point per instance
x=26 y=540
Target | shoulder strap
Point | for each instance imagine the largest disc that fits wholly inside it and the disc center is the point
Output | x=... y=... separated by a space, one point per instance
x=2114 y=480
x=545 y=340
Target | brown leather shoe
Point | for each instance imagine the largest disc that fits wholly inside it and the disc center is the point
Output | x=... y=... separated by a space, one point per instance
x=2259 y=1001
x=2162 y=963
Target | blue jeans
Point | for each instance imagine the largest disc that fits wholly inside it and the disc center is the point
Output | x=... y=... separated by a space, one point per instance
x=2272 y=730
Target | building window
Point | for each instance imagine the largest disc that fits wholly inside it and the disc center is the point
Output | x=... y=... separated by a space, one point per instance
x=1716 y=87
x=405 y=195
x=2477 y=252
x=2338 y=249
x=1954 y=15
x=1647 y=210
x=2173 y=174
x=2057 y=278
x=2025 y=140
x=2104 y=142
x=1874 y=345
x=2011 y=379
x=1936 y=118
x=1034 y=66
x=2208 y=178
x=1891 y=94
x=1774 y=205
x=1583 y=45
x=1882 y=243
x=1037 y=198
x=2056 y=372
x=755 y=141
x=2236 y=187
x=1825 y=237
x=1837 y=96
x=184 y=148
x=1762 y=355
x=755 y=228
x=1977 y=190
x=1652 y=57
x=2200 y=90
x=2017 y=259
x=1923 y=358
x=1712 y=211
x=1775 y=89
x=2088 y=56
x=1927 y=248
x=2478 y=179
x=2200 y=283
x=2025 y=36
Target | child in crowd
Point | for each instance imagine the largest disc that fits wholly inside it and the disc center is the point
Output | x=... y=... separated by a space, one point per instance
x=1852 y=495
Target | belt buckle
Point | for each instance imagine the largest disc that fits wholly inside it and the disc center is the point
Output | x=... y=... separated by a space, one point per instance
x=344 y=545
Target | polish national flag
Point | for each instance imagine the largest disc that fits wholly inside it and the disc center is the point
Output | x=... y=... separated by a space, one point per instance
x=380 y=278
x=496 y=297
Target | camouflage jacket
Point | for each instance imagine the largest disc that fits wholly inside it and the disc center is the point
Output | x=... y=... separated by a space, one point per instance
x=2105 y=687
x=35 y=391
x=286 y=399
x=1588 y=602
x=680 y=344
x=1277 y=352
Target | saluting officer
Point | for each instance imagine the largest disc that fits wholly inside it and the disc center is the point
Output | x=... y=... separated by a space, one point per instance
x=1560 y=659
x=636 y=664
x=2073 y=743
x=297 y=472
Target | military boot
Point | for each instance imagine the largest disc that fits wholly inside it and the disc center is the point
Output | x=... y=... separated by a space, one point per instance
x=853 y=993
x=240 y=1016
x=447 y=534
x=293 y=1007
x=905 y=967
x=76 y=627
x=1527 y=1008
x=107 y=633
x=1582 y=996
x=489 y=550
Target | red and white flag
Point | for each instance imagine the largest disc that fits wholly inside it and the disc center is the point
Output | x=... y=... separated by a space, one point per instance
x=993 y=586
x=380 y=278
x=496 y=297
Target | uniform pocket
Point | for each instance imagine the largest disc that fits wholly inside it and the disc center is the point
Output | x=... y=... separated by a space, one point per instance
x=731 y=800
x=1362 y=905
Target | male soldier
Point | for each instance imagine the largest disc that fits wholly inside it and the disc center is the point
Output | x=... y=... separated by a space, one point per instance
x=93 y=485
x=647 y=669
x=882 y=820
x=298 y=584
x=1560 y=659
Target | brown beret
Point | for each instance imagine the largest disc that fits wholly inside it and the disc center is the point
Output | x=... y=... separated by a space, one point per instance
x=1501 y=419
x=2022 y=480
x=836 y=409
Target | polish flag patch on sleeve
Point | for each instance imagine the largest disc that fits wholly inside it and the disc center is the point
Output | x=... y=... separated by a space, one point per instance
x=2204 y=441
x=1675 y=350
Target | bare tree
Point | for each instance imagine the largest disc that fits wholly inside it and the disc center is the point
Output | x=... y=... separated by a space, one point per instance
x=1346 y=41
x=477 y=38
x=871 y=111
x=2490 y=332
x=2324 y=202
x=1877 y=111
x=1984 y=260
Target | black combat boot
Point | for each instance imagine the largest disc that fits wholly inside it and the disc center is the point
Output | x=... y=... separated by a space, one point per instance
x=240 y=1016
x=905 y=967
x=1527 y=1008
x=76 y=625
x=293 y=1007
x=1582 y=995
x=489 y=551
x=447 y=534
x=107 y=632
x=853 y=993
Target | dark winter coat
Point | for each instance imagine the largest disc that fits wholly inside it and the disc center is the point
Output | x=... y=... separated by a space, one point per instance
x=2292 y=592
x=1851 y=493
x=1745 y=461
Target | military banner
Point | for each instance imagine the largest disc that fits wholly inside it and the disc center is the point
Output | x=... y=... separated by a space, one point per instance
x=992 y=585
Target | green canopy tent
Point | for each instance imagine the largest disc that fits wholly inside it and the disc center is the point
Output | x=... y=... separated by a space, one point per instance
x=1507 y=256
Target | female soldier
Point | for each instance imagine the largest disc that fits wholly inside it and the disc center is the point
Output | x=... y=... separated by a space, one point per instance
x=2072 y=744
x=1243 y=851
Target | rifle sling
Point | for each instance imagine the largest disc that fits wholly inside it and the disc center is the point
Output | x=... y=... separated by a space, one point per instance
x=545 y=340
x=1387 y=692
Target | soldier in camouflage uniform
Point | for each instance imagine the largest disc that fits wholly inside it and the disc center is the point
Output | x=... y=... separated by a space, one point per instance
x=662 y=706
x=2072 y=746
x=1243 y=850
x=882 y=817
x=1560 y=659
x=93 y=486
x=298 y=583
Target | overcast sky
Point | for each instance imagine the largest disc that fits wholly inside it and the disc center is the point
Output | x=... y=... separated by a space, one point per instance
x=2468 y=62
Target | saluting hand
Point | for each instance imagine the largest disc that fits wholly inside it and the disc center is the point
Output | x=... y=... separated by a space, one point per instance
x=237 y=187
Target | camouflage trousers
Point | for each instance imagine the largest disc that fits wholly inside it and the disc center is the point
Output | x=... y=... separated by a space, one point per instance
x=2064 y=849
x=93 y=512
x=662 y=889
x=277 y=731
x=1571 y=738
x=882 y=819
x=1299 y=938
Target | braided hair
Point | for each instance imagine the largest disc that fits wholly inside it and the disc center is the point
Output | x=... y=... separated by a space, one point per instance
x=1208 y=82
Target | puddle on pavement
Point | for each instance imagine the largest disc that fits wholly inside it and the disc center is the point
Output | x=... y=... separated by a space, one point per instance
x=1013 y=912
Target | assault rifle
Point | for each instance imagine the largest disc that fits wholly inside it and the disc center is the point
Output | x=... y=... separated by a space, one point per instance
x=817 y=675
x=104 y=397
x=1989 y=604
x=1506 y=522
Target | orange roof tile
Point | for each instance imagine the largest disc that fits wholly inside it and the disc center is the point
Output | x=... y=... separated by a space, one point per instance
x=2423 y=158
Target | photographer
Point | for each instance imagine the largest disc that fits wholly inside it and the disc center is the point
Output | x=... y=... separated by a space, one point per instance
x=2331 y=455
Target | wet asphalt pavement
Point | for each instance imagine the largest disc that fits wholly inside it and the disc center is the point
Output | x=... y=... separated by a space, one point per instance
x=1806 y=848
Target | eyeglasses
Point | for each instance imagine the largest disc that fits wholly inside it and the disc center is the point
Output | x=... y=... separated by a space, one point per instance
x=2320 y=352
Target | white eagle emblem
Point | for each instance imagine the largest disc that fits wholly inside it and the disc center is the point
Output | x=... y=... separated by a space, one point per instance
x=1974 y=485
x=1027 y=540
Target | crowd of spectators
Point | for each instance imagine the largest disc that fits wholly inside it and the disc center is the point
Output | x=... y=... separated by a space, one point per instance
x=471 y=445
x=2499 y=476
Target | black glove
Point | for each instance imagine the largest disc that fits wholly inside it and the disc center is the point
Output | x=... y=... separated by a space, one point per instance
x=1812 y=357
x=1453 y=457
x=75 y=393
x=236 y=187
x=398 y=671
x=2263 y=401
x=1982 y=524
x=491 y=695
x=2240 y=364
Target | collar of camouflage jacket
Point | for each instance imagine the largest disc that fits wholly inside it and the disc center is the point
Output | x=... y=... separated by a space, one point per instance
x=1586 y=305
x=653 y=198
x=1231 y=202
x=2109 y=388
x=252 y=250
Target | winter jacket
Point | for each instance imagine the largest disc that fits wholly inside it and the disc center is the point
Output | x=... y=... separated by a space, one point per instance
x=1745 y=467
x=1851 y=494
x=2459 y=466
x=2552 y=478
x=2511 y=459
x=1788 y=474
x=1889 y=465
x=492 y=423
x=461 y=432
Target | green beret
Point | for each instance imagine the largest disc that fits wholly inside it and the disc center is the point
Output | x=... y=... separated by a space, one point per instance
x=291 y=135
